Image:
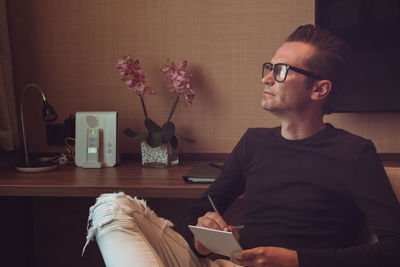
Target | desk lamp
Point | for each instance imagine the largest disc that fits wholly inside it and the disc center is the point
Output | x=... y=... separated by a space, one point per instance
x=49 y=115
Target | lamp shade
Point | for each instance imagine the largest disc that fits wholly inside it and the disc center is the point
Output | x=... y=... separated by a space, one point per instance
x=48 y=112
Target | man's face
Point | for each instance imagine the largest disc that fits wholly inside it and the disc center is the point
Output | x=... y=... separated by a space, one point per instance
x=292 y=94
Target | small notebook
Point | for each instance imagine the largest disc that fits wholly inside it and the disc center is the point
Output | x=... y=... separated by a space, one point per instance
x=202 y=173
x=220 y=242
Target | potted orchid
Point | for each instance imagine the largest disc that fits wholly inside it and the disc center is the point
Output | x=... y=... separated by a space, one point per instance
x=157 y=138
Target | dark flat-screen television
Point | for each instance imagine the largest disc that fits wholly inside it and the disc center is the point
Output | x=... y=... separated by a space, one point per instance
x=372 y=27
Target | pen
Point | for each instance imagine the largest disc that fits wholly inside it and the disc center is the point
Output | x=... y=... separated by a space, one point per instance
x=215 y=209
x=212 y=204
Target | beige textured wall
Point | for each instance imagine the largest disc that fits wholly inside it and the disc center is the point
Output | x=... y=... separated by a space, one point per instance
x=70 y=48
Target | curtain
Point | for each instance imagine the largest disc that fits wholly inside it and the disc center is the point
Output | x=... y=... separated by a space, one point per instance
x=8 y=115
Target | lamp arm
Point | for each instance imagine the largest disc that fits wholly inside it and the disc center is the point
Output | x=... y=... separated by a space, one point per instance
x=22 y=117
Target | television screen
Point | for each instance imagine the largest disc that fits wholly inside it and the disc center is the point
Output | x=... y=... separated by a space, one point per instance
x=373 y=30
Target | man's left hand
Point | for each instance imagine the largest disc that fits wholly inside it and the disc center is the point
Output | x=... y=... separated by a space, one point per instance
x=266 y=257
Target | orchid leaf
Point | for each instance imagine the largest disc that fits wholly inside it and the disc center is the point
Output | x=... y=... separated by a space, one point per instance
x=173 y=142
x=151 y=126
x=154 y=139
x=141 y=136
x=191 y=141
x=135 y=135
x=130 y=132
x=168 y=131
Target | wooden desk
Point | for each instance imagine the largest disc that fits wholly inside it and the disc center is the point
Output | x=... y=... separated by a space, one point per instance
x=130 y=177
x=71 y=181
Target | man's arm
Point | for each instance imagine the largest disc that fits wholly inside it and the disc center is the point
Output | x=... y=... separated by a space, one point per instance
x=224 y=192
x=371 y=190
x=228 y=186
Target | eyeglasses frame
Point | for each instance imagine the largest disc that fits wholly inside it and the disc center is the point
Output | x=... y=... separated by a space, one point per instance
x=289 y=67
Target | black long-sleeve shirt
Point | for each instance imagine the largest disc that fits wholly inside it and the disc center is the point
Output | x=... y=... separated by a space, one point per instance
x=314 y=195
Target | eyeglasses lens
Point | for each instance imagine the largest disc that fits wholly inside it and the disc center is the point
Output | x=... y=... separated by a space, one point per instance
x=280 y=71
x=267 y=68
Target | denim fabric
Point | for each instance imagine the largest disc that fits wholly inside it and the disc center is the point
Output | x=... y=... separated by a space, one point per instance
x=130 y=234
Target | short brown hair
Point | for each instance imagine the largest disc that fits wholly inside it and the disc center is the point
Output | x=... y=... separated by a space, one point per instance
x=331 y=60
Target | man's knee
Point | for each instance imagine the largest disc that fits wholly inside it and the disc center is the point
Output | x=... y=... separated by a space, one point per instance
x=113 y=211
x=115 y=207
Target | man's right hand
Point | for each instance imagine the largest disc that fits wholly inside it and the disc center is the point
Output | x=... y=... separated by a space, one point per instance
x=210 y=220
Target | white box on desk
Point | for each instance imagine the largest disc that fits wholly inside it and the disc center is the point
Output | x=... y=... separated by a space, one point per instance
x=107 y=122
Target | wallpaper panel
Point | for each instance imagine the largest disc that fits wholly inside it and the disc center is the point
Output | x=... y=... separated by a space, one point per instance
x=70 y=48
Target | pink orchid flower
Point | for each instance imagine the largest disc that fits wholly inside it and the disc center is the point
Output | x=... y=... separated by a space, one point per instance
x=133 y=76
x=179 y=80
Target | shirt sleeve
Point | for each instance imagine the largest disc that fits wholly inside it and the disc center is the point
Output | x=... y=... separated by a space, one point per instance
x=229 y=185
x=372 y=192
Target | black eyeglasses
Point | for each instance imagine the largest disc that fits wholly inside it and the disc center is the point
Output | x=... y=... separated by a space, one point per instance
x=280 y=71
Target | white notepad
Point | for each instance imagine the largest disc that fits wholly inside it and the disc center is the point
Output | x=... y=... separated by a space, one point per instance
x=216 y=241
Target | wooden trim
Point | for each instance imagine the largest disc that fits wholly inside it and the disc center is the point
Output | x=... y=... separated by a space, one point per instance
x=389 y=156
x=184 y=156
x=390 y=159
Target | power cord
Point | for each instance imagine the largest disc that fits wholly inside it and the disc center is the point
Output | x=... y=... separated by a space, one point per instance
x=68 y=156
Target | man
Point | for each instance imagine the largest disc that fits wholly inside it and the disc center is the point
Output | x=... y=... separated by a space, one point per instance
x=309 y=188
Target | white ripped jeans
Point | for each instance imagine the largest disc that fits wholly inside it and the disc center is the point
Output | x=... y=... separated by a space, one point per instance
x=130 y=234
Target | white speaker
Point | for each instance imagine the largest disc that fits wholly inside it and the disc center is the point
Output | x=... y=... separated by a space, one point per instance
x=96 y=139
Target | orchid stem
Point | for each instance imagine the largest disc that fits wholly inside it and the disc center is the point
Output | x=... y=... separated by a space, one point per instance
x=144 y=107
x=173 y=108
